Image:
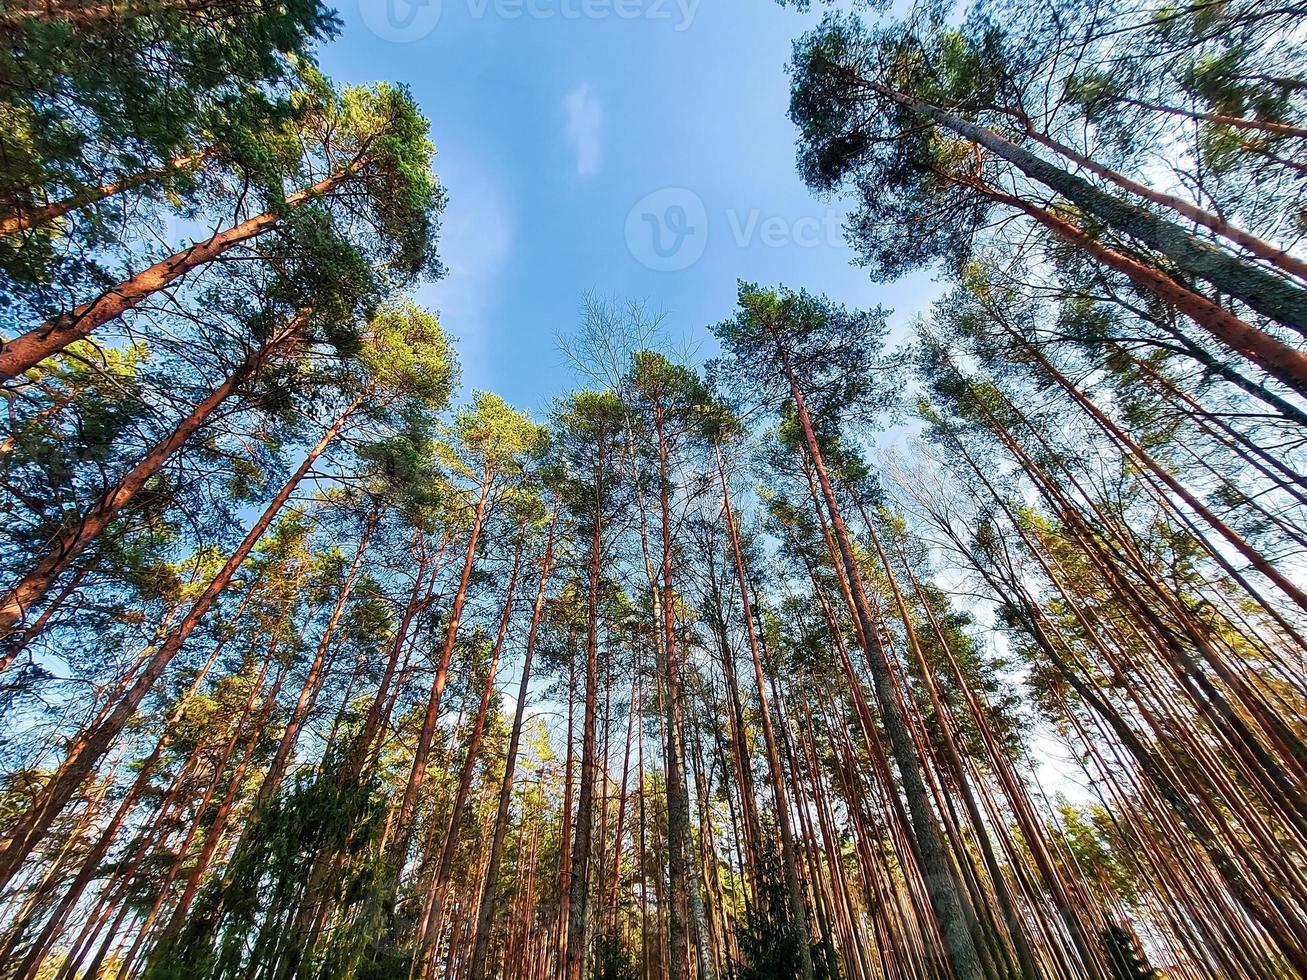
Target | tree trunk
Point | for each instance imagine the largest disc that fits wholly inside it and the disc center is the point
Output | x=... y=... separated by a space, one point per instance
x=678 y=795
x=46 y=213
x=30 y=349
x=1245 y=240
x=565 y=833
x=485 y=910
x=436 y=900
x=423 y=750
x=1279 y=360
x=1262 y=291
x=316 y=675
x=578 y=903
x=793 y=886
x=74 y=537
x=89 y=748
x=940 y=877
x=377 y=710
x=1234 y=122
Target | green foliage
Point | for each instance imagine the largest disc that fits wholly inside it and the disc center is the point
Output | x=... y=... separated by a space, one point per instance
x=832 y=351
x=897 y=170
x=767 y=942
x=250 y=911
x=614 y=961
x=588 y=434
x=1124 y=956
x=493 y=438
x=1094 y=840
x=382 y=128
x=98 y=97
x=408 y=356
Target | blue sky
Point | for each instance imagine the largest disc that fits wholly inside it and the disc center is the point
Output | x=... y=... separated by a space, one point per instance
x=635 y=148
x=567 y=135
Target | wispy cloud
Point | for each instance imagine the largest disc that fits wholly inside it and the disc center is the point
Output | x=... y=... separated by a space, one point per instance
x=584 y=127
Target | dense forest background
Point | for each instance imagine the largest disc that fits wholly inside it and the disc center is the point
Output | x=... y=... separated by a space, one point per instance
x=315 y=662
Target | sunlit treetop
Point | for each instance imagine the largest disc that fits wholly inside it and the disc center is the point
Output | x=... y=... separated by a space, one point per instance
x=407 y=355
x=834 y=352
x=491 y=438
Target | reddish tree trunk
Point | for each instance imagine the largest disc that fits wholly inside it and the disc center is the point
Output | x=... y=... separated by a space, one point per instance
x=30 y=349
x=43 y=215
x=75 y=536
x=940 y=876
x=1279 y=360
x=578 y=903
x=789 y=861
x=423 y=751
x=436 y=895
x=89 y=748
x=315 y=677
x=485 y=911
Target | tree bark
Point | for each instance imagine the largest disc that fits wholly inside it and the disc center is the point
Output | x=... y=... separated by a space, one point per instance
x=1235 y=122
x=423 y=751
x=314 y=678
x=90 y=747
x=30 y=349
x=1279 y=360
x=793 y=886
x=46 y=213
x=578 y=902
x=678 y=796
x=485 y=910
x=1262 y=291
x=436 y=902
x=75 y=536
x=940 y=877
x=1246 y=240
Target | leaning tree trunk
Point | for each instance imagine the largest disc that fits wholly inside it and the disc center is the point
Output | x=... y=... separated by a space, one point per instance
x=423 y=751
x=30 y=349
x=940 y=876
x=75 y=536
x=90 y=747
x=1276 y=358
x=1212 y=222
x=1235 y=540
x=1154 y=770
x=43 y=215
x=316 y=675
x=1263 y=291
x=1234 y=122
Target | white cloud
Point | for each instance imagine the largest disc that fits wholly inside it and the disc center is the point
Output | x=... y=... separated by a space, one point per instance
x=584 y=125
